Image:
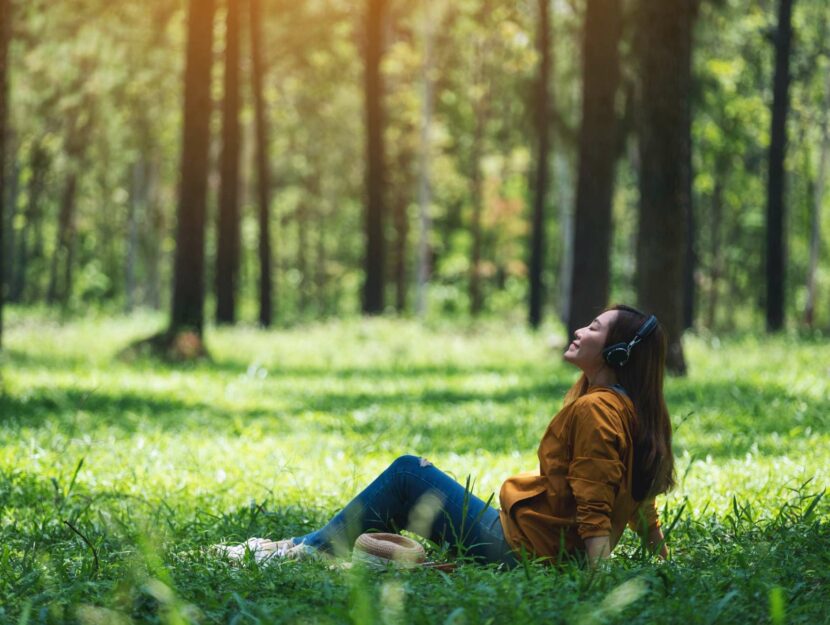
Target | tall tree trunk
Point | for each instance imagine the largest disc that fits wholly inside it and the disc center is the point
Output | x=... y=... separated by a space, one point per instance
x=32 y=223
x=690 y=261
x=775 y=252
x=716 y=250
x=302 y=253
x=64 y=242
x=12 y=241
x=477 y=198
x=542 y=106
x=401 y=234
x=263 y=178
x=665 y=49
x=189 y=264
x=227 y=249
x=424 y=158
x=597 y=160
x=815 y=239
x=153 y=234
x=374 y=263
x=5 y=35
x=320 y=257
x=137 y=207
x=564 y=176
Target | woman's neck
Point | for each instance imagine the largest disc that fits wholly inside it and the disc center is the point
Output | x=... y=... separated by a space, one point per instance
x=603 y=377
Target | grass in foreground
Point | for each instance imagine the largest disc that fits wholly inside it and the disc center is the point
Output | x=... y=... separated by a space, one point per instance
x=114 y=475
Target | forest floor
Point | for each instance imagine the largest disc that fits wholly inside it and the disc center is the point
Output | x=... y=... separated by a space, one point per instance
x=114 y=475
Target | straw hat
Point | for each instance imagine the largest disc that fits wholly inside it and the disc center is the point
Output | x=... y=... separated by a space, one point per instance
x=380 y=551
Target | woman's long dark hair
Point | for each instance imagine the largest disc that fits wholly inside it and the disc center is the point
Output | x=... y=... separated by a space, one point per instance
x=642 y=379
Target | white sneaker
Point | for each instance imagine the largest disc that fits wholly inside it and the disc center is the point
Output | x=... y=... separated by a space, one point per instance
x=261 y=549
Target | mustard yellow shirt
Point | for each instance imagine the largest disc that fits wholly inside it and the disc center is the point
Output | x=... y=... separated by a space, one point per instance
x=582 y=488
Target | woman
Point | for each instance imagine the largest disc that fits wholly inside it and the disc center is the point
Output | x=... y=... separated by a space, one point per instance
x=602 y=460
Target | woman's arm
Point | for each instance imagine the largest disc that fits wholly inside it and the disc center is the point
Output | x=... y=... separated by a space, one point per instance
x=656 y=539
x=598 y=548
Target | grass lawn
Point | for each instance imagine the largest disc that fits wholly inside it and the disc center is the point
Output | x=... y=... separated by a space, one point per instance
x=113 y=475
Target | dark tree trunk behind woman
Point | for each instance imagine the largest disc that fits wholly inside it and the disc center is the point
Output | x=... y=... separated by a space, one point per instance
x=542 y=106
x=263 y=178
x=375 y=247
x=775 y=180
x=5 y=34
x=189 y=266
x=227 y=249
x=597 y=158
x=664 y=46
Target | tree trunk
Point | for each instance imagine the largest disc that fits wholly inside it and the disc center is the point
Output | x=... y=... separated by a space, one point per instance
x=374 y=264
x=401 y=242
x=263 y=177
x=597 y=160
x=690 y=261
x=32 y=222
x=477 y=197
x=821 y=181
x=227 y=248
x=716 y=250
x=137 y=205
x=320 y=275
x=665 y=49
x=564 y=176
x=5 y=35
x=154 y=234
x=12 y=240
x=775 y=252
x=302 y=253
x=542 y=106
x=64 y=242
x=424 y=158
x=189 y=265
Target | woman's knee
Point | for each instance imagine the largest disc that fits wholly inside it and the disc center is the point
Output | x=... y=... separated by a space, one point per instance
x=406 y=462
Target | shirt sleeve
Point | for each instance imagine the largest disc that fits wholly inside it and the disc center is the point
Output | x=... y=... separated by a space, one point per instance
x=645 y=517
x=595 y=471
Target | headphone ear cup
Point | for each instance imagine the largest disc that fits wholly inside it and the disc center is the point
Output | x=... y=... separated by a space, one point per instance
x=616 y=355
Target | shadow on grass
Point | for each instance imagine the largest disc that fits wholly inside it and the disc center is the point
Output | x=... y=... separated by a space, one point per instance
x=727 y=420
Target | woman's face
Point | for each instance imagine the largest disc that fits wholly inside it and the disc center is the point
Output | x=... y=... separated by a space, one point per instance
x=586 y=349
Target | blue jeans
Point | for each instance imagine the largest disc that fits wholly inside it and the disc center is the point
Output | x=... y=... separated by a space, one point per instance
x=412 y=494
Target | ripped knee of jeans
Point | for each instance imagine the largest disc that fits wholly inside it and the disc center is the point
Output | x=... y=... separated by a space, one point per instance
x=423 y=462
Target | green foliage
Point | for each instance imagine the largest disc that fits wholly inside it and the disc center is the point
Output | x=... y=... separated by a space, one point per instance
x=114 y=476
x=111 y=72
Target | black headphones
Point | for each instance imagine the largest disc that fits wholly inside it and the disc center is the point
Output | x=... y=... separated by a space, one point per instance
x=618 y=354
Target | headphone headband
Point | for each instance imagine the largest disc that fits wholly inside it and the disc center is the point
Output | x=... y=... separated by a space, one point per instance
x=617 y=355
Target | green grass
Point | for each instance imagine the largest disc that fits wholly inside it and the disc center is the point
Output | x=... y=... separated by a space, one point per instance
x=149 y=463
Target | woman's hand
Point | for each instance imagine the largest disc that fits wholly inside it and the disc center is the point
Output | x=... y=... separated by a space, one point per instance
x=598 y=548
x=655 y=540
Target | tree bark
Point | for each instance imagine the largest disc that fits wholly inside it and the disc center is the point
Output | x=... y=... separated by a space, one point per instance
x=302 y=252
x=227 y=248
x=424 y=159
x=401 y=222
x=542 y=106
x=189 y=265
x=5 y=35
x=716 y=250
x=59 y=291
x=373 y=287
x=137 y=205
x=775 y=248
x=32 y=223
x=266 y=286
x=665 y=50
x=821 y=182
x=597 y=161
x=477 y=198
